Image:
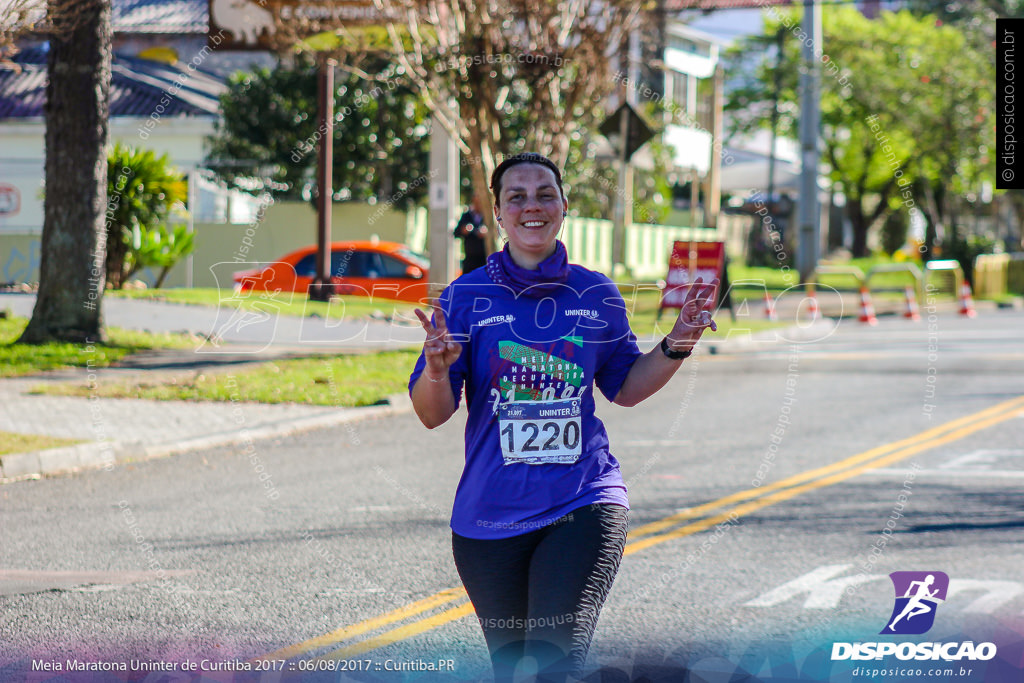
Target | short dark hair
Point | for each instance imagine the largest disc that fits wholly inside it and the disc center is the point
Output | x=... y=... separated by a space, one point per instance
x=523 y=158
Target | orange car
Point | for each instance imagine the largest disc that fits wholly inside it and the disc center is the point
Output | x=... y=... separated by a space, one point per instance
x=375 y=269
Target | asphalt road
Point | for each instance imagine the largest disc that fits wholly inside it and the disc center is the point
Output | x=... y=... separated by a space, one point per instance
x=790 y=480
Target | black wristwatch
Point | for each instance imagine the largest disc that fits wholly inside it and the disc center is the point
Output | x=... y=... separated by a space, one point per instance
x=674 y=355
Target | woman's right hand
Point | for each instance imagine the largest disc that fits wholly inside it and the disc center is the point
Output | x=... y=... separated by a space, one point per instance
x=439 y=351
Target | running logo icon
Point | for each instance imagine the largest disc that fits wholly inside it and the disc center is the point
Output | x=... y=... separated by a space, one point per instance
x=918 y=595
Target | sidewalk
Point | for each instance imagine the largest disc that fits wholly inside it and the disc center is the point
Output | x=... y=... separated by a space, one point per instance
x=236 y=329
x=117 y=431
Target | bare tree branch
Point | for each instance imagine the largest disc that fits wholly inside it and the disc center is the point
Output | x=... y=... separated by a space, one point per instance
x=501 y=76
x=22 y=18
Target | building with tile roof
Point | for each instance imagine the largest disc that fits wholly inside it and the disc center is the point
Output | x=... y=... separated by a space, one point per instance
x=168 y=107
x=165 y=86
x=175 y=29
x=169 y=17
x=137 y=88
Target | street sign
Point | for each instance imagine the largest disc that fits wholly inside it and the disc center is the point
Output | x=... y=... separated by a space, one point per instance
x=253 y=24
x=689 y=261
x=10 y=200
x=638 y=131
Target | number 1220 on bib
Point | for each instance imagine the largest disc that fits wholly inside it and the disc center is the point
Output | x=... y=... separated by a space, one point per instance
x=541 y=432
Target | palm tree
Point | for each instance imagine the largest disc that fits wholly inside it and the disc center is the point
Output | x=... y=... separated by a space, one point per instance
x=143 y=190
x=68 y=305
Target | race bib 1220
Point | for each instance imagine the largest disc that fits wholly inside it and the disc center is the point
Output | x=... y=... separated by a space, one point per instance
x=541 y=432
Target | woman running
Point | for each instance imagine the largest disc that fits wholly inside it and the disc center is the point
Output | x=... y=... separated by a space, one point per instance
x=540 y=515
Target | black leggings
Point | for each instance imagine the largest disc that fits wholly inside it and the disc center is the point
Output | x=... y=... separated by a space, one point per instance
x=539 y=594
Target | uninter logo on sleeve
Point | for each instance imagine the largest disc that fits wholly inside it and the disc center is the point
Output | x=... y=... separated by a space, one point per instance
x=581 y=312
x=918 y=596
x=497 y=320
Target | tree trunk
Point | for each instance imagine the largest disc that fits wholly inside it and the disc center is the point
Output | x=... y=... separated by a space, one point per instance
x=117 y=250
x=860 y=225
x=480 y=179
x=481 y=161
x=929 y=234
x=71 y=270
x=1016 y=229
x=164 y=272
x=934 y=233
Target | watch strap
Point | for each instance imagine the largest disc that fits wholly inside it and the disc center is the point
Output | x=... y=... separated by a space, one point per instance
x=673 y=354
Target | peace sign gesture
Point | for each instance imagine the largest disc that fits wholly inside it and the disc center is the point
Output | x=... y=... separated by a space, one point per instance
x=694 y=316
x=439 y=350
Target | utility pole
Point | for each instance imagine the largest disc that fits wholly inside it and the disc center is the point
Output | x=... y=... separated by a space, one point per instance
x=321 y=288
x=444 y=196
x=623 y=213
x=623 y=203
x=713 y=196
x=780 y=46
x=810 y=151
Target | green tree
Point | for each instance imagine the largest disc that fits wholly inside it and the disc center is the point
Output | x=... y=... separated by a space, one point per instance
x=950 y=117
x=268 y=134
x=903 y=108
x=976 y=18
x=143 y=190
x=160 y=248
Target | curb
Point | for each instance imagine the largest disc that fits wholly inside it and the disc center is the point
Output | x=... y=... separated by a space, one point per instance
x=759 y=341
x=818 y=330
x=106 y=455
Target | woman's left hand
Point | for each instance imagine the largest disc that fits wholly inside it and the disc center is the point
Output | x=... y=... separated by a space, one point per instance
x=694 y=316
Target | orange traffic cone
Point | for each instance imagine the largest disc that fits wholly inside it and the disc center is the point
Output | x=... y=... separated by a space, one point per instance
x=912 y=311
x=769 y=306
x=966 y=301
x=812 y=304
x=867 y=310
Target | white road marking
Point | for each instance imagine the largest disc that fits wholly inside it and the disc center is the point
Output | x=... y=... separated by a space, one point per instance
x=353 y=591
x=997 y=593
x=979 y=463
x=958 y=474
x=824 y=589
x=983 y=458
x=821 y=586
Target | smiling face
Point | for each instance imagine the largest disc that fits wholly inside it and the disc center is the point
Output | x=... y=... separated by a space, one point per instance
x=530 y=206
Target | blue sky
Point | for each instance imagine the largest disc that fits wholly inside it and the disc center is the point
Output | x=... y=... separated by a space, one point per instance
x=729 y=25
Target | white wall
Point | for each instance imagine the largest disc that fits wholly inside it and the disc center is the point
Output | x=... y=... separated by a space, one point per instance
x=21 y=167
x=22 y=157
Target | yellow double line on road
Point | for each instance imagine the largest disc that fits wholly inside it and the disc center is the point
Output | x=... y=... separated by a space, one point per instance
x=760 y=497
x=705 y=516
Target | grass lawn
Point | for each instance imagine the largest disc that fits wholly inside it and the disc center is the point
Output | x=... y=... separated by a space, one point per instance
x=642 y=308
x=752 y=281
x=284 y=303
x=26 y=359
x=349 y=380
x=776 y=280
x=26 y=443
